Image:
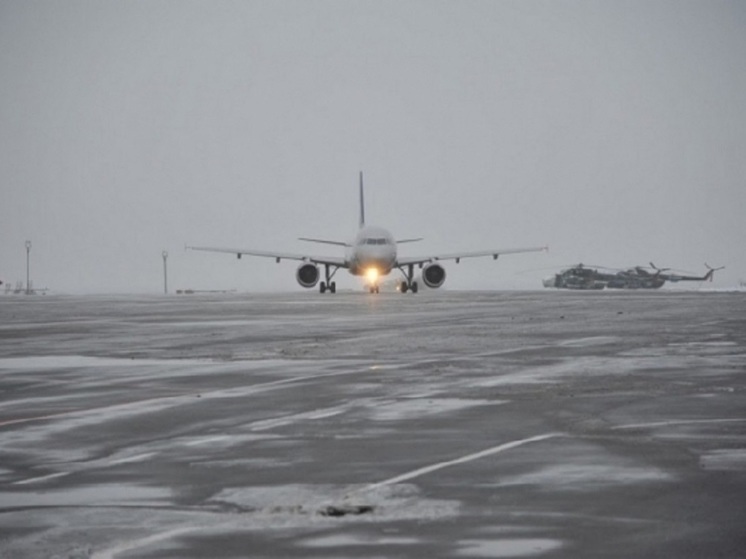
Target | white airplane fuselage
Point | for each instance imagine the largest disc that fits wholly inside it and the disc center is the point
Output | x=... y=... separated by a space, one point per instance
x=372 y=253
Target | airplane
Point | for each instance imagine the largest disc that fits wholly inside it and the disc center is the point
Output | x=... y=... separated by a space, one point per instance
x=372 y=254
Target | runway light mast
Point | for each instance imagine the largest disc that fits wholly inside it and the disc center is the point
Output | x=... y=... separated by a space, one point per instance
x=165 y=272
x=28 y=277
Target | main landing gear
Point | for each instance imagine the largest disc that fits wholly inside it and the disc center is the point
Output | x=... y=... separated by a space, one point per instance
x=328 y=285
x=404 y=287
x=408 y=284
x=332 y=287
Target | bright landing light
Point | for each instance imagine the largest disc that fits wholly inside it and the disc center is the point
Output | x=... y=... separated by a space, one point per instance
x=372 y=275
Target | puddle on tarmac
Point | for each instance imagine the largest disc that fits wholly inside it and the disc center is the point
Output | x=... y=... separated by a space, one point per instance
x=342 y=540
x=519 y=547
x=580 y=477
x=732 y=460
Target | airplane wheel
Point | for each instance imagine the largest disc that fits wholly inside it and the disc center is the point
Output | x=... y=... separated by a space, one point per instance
x=333 y=287
x=378 y=289
x=414 y=287
x=404 y=287
x=322 y=287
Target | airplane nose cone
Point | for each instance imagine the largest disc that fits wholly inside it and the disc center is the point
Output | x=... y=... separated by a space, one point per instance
x=375 y=258
x=381 y=263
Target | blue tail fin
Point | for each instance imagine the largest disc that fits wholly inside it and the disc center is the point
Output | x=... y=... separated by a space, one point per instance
x=362 y=202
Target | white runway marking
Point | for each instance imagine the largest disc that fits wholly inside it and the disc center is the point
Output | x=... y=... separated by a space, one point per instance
x=463 y=460
x=141 y=406
x=88 y=466
x=208 y=440
x=136 y=458
x=37 y=418
x=265 y=424
x=675 y=422
x=40 y=479
x=128 y=546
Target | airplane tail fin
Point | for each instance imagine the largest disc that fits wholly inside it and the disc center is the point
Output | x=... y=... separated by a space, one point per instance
x=362 y=202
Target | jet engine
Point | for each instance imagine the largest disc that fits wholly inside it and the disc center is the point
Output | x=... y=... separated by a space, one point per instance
x=307 y=275
x=433 y=275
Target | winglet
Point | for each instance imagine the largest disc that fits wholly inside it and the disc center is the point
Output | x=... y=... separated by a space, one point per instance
x=362 y=202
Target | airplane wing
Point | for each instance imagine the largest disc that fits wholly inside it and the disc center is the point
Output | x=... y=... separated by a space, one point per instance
x=324 y=242
x=457 y=256
x=329 y=260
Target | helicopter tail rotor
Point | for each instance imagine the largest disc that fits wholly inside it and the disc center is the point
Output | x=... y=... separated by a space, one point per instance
x=711 y=271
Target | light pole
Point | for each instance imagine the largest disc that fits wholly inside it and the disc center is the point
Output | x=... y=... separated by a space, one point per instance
x=28 y=258
x=165 y=272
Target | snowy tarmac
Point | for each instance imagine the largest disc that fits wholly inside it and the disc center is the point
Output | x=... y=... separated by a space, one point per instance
x=445 y=424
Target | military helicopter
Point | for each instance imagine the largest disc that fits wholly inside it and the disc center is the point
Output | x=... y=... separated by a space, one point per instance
x=577 y=277
x=638 y=277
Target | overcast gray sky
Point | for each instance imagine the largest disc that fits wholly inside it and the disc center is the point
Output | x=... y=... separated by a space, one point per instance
x=613 y=131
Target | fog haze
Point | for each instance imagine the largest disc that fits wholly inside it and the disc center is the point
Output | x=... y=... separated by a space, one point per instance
x=614 y=132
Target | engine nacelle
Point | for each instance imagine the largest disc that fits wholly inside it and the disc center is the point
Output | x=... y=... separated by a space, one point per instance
x=433 y=275
x=307 y=275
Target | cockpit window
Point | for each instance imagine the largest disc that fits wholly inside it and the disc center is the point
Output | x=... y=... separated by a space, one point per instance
x=379 y=241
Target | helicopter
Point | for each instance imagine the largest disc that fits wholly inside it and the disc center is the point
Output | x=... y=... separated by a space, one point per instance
x=637 y=277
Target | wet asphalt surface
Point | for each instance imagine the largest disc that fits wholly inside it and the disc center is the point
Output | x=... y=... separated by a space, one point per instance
x=471 y=424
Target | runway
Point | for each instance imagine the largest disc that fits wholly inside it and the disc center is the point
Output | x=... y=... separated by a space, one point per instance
x=444 y=424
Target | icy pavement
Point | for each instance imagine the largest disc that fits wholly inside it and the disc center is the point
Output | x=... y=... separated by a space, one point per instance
x=438 y=425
